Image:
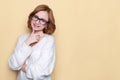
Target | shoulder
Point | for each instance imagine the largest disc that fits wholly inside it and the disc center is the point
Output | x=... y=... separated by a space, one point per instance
x=23 y=36
x=50 y=38
x=49 y=42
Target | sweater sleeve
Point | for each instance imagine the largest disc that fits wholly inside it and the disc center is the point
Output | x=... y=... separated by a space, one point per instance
x=43 y=67
x=19 y=55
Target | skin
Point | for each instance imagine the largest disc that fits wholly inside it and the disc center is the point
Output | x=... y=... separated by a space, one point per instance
x=37 y=32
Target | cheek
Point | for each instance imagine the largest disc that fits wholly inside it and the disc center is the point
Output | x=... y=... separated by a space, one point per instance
x=32 y=22
x=42 y=26
x=45 y=26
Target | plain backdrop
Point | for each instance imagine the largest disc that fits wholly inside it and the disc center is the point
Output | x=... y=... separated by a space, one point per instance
x=87 y=37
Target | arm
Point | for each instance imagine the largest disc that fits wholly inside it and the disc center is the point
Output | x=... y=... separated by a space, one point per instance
x=20 y=54
x=44 y=66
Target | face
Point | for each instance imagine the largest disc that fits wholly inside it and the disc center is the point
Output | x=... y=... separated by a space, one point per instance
x=39 y=21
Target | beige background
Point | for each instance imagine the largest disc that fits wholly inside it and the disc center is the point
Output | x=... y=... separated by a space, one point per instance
x=87 y=37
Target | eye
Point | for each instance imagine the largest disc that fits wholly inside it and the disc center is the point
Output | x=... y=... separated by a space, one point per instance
x=43 y=20
x=36 y=17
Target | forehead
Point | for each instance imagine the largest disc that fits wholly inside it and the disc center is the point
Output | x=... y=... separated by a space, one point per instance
x=42 y=14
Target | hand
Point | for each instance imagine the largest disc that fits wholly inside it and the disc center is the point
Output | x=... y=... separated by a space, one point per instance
x=23 y=67
x=33 y=38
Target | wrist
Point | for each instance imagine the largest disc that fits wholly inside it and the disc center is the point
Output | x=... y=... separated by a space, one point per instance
x=27 y=42
x=24 y=67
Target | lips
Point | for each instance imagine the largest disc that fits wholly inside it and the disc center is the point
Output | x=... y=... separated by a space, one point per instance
x=37 y=27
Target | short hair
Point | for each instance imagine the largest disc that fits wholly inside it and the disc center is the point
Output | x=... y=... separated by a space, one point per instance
x=51 y=25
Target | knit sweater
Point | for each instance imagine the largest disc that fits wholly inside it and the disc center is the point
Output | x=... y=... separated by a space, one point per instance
x=40 y=59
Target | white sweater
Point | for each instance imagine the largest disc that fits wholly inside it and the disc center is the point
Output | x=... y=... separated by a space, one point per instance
x=40 y=58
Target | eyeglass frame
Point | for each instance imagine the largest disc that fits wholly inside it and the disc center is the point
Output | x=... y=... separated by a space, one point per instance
x=36 y=18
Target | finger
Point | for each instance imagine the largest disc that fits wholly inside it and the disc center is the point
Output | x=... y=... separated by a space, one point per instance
x=33 y=31
x=32 y=44
x=32 y=26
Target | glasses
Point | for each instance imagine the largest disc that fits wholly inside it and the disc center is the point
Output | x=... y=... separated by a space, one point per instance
x=39 y=20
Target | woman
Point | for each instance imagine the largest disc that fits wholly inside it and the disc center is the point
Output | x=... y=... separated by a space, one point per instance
x=34 y=55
